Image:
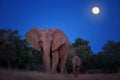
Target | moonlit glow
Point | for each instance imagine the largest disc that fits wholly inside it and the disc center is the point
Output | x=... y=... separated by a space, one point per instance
x=95 y=10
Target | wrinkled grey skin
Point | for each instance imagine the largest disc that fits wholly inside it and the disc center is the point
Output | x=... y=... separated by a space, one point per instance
x=50 y=41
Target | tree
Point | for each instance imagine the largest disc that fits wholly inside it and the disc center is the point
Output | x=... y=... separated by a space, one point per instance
x=80 y=42
x=16 y=52
x=111 y=54
x=83 y=50
x=7 y=46
x=115 y=57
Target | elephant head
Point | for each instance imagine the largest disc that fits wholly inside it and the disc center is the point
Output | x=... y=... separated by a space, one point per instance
x=33 y=38
x=46 y=40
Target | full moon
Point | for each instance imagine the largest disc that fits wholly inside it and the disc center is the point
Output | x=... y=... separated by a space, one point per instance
x=95 y=10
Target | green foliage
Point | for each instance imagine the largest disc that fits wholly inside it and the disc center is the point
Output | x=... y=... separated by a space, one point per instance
x=71 y=54
x=79 y=42
x=97 y=61
x=8 y=46
x=15 y=52
x=108 y=58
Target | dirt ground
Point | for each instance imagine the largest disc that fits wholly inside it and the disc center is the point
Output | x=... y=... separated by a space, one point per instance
x=33 y=75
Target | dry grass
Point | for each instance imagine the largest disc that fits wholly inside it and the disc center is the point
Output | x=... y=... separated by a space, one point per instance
x=99 y=76
x=27 y=75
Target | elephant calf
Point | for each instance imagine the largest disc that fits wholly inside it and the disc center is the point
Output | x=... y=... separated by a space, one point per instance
x=76 y=62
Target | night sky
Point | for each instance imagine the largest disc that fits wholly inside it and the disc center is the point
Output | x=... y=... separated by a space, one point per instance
x=74 y=17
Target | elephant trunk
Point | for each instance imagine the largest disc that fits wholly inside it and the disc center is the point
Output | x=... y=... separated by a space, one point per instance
x=46 y=59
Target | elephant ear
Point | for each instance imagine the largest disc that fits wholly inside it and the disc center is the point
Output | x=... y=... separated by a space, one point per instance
x=33 y=37
x=58 y=39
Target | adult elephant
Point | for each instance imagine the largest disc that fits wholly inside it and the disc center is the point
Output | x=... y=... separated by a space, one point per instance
x=52 y=42
x=76 y=62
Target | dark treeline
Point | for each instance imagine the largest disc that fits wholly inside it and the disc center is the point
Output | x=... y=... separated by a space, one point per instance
x=15 y=53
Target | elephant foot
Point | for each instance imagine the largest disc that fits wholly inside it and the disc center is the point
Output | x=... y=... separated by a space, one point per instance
x=75 y=74
x=54 y=72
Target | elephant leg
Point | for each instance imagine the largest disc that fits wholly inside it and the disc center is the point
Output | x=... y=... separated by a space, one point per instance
x=74 y=68
x=77 y=70
x=63 y=56
x=65 y=71
x=55 y=61
x=46 y=61
x=62 y=65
